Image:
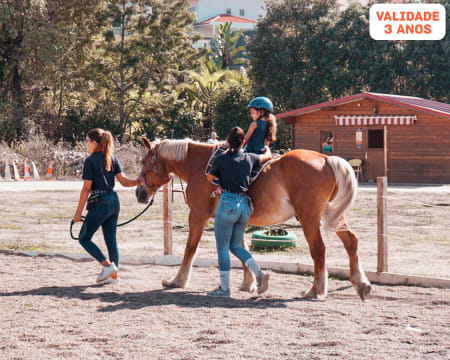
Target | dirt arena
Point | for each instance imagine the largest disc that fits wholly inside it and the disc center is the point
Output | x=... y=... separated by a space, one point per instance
x=52 y=310
x=35 y=216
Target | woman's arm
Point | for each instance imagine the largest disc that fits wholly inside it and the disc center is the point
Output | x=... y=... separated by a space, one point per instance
x=124 y=181
x=250 y=131
x=84 y=194
x=266 y=156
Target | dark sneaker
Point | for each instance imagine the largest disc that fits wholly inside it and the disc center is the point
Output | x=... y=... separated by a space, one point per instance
x=219 y=292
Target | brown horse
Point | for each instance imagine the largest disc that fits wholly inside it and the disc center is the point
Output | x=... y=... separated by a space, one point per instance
x=301 y=183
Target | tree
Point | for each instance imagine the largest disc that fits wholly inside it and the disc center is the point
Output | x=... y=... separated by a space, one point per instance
x=225 y=48
x=41 y=43
x=427 y=66
x=306 y=52
x=231 y=108
x=145 y=48
x=202 y=91
x=290 y=61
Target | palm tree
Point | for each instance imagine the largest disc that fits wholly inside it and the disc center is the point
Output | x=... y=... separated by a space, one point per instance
x=203 y=89
x=225 y=49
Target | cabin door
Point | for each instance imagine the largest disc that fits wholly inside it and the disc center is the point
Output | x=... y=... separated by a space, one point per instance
x=375 y=162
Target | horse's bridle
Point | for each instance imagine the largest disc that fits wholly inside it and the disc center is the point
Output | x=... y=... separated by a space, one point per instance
x=156 y=172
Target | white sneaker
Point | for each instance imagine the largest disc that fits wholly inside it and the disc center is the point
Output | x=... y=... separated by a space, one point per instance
x=106 y=272
x=110 y=281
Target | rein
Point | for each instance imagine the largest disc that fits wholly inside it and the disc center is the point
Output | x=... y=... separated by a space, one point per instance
x=122 y=224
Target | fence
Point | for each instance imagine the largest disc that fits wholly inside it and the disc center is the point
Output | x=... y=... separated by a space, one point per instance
x=381 y=275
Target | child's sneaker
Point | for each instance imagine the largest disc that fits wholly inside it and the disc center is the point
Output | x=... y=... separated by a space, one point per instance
x=106 y=272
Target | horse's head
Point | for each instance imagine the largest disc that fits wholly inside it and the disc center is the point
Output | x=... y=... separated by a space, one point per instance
x=153 y=171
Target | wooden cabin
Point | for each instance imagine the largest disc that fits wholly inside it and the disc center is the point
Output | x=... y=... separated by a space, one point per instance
x=404 y=138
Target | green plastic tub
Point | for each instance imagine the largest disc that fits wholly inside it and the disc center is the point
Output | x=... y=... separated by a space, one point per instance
x=261 y=239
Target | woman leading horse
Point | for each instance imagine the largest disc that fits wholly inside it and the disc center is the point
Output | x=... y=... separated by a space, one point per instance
x=300 y=183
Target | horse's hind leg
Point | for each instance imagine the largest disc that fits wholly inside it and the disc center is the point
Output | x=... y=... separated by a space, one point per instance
x=311 y=229
x=357 y=276
x=249 y=281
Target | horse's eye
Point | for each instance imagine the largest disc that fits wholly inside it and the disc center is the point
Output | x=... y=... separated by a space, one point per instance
x=143 y=162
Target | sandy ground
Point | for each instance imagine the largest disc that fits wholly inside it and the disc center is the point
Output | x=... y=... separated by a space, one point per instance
x=50 y=309
x=35 y=216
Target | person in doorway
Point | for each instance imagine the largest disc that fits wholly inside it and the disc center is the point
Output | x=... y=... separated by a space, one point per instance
x=100 y=170
x=327 y=145
x=233 y=170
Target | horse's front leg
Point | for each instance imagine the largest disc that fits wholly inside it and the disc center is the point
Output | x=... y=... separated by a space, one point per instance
x=197 y=221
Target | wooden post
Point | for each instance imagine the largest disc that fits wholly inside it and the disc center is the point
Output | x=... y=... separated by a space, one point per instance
x=385 y=133
x=167 y=191
x=382 y=265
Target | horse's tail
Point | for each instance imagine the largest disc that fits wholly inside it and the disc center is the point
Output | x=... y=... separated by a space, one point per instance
x=346 y=186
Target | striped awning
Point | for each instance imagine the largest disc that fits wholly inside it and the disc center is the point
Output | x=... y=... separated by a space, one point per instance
x=375 y=119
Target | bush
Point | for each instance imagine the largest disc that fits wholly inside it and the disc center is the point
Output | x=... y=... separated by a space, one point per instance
x=232 y=110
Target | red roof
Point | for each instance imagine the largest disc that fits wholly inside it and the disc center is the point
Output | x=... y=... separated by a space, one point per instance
x=223 y=18
x=415 y=103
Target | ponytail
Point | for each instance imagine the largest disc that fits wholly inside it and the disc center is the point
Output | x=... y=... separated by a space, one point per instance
x=271 y=128
x=105 y=147
x=105 y=144
x=235 y=139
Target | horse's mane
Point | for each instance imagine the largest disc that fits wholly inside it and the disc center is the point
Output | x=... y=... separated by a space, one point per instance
x=175 y=149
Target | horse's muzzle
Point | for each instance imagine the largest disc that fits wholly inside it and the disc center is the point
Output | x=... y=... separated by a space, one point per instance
x=142 y=195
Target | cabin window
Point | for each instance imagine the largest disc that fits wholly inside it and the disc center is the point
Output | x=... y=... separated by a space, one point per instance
x=241 y=12
x=228 y=11
x=326 y=142
x=376 y=139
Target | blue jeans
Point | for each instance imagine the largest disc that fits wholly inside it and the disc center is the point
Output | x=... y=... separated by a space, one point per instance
x=231 y=219
x=105 y=214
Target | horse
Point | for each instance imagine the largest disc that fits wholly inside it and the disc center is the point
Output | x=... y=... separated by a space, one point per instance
x=301 y=183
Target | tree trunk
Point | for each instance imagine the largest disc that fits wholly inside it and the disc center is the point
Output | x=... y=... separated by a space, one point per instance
x=122 y=78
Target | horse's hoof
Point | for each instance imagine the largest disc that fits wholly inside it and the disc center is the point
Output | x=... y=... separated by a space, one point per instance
x=171 y=284
x=313 y=295
x=364 y=290
x=251 y=288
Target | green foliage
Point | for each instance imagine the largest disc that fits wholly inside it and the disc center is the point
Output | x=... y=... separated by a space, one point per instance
x=231 y=109
x=202 y=91
x=290 y=61
x=225 y=48
x=142 y=51
x=305 y=52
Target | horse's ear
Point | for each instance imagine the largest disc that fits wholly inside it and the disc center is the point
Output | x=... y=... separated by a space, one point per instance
x=147 y=143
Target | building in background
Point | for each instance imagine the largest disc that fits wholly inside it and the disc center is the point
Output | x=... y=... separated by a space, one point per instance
x=404 y=138
x=243 y=15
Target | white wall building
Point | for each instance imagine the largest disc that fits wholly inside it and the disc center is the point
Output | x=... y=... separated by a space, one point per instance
x=249 y=9
x=243 y=14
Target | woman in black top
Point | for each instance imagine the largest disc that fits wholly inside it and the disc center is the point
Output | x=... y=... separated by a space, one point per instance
x=99 y=171
x=233 y=170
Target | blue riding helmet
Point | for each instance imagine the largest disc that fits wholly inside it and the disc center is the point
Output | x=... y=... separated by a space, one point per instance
x=261 y=102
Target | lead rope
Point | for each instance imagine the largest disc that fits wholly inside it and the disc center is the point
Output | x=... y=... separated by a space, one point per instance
x=122 y=224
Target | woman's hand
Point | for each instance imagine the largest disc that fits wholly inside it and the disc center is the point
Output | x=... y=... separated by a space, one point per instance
x=77 y=218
